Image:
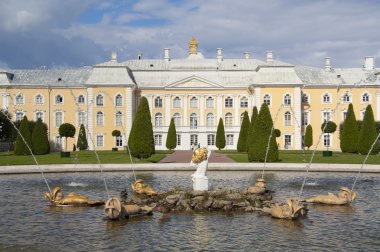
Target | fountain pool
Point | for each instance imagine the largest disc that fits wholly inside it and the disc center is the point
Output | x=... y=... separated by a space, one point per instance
x=29 y=223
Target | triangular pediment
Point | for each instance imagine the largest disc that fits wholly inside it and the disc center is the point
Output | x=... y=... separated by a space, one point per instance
x=194 y=82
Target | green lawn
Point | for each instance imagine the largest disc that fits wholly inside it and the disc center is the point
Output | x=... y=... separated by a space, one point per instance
x=80 y=157
x=300 y=157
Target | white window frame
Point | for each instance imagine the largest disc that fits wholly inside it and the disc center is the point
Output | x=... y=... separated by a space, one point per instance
x=118 y=100
x=58 y=143
x=326 y=95
x=158 y=140
x=19 y=99
x=177 y=120
x=287 y=118
x=344 y=114
x=100 y=118
x=305 y=118
x=362 y=98
x=18 y=114
x=323 y=115
x=289 y=136
x=241 y=118
x=193 y=139
x=362 y=114
x=307 y=100
x=56 y=102
x=230 y=122
x=244 y=102
x=158 y=101
x=193 y=102
x=97 y=100
x=179 y=140
x=210 y=139
x=55 y=118
x=81 y=116
x=36 y=99
x=210 y=120
x=100 y=140
x=228 y=102
x=210 y=102
x=36 y=116
x=267 y=98
x=119 y=141
x=119 y=119
x=345 y=96
x=158 y=120
x=287 y=99
x=229 y=139
x=80 y=97
x=330 y=136
x=177 y=102
x=193 y=121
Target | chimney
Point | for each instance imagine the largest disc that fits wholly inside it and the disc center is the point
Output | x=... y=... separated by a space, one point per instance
x=369 y=63
x=328 y=64
x=246 y=55
x=139 y=56
x=269 y=56
x=166 y=54
x=219 y=55
x=114 y=56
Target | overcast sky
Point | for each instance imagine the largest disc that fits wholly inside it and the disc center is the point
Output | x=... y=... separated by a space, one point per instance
x=71 y=33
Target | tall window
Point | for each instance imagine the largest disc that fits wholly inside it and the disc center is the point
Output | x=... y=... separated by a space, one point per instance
x=177 y=120
x=305 y=118
x=158 y=140
x=58 y=99
x=193 y=139
x=19 y=99
x=326 y=140
x=58 y=142
x=241 y=118
x=99 y=118
x=39 y=99
x=365 y=97
x=58 y=118
x=40 y=115
x=81 y=99
x=287 y=100
x=119 y=119
x=210 y=139
x=228 y=102
x=210 y=102
x=228 y=120
x=81 y=118
x=326 y=116
x=305 y=98
x=194 y=102
x=267 y=99
x=99 y=140
x=288 y=141
x=178 y=140
x=210 y=120
x=288 y=118
x=99 y=100
x=346 y=98
x=177 y=102
x=119 y=100
x=193 y=121
x=244 y=102
x=158 y=120
x=229 y=139
x=158 y=102
x=19 y=115
x=119 y=141
x=326 y=98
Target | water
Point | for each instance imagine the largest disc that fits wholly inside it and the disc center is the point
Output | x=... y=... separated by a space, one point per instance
x=28 y=223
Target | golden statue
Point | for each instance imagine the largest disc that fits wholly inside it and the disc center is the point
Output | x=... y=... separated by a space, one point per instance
x=57 y=199
x=114 y=209
x=290 y=210
x=141 y=188
x=193 y=46
x=345 y=197
x=259 y=188
x=199 y=155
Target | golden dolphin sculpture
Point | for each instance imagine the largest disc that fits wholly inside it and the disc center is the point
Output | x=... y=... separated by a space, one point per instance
x=345 y=197
x=141 y=188
x=57 y=198
x=259 y=188
x=290 y=210
x=114 y=209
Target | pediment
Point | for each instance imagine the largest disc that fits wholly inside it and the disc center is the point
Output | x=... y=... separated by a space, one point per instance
x=194 y=82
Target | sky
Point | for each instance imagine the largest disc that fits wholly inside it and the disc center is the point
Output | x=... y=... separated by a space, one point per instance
x=72 y=33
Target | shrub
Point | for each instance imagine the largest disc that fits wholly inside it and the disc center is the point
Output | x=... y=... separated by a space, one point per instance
x=308 y=136
x=220 y=142
x=40 y=141
x=244 y=128
x=171 y=139
x=350 y=133
x=328 y=127
x=82 y=139
x=277 y=132
x=66 y=130
x=368 y=134
x=21 y=147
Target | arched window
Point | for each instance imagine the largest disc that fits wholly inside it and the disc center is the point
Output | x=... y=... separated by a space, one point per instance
x=158 y=120
x=19 y=99
x=158 y=102
x=228 y=102
x=305 y=98
x=326 y=98
x=244 y=102
x=288 y=118
x=365 y=97
x=39 y=99
x=267 y=99
x=346 y=97
x=58 y=99
x=210 y=120
x=287 y=100
x=194 y=102
x=210 y=102
x=81 y=118
x=81 y=99
x=99 y=100
x=19 y=115
x=119 y=119
x=177 y=102
x=228 y=120
x=40 y=115
x=58 y=118
x=177 y=120
x=119 y=100
x=99 y=118
x=193 y=121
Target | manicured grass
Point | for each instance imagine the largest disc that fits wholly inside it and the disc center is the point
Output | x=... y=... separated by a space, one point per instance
x=80 y=157
x=300 y=157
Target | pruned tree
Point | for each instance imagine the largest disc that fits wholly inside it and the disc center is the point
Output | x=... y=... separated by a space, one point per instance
x=82 y=143
x=23 y=140
x=220 y=142
x=40 y=141
x=244 y=128
x=66 y=130
x=350 y=133
x=368 y=134
x=308 y=136
x=328 y=127
x=171 y=139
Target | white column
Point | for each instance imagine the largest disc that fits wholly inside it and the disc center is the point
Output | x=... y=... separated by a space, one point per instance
x=378 y=105
x=236 y=107
x=5 y=100
x=257 y=98
x=167 y=110
x=297 y=116
x=90 y=117
x=202 y=111
x=128 y=111
x=185 y=111
x=219 y=108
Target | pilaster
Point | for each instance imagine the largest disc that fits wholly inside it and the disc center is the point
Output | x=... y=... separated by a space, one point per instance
x=236 y=107
x=168 y=115
x=90 y=117
x=297 y=115
x=257 y=97
x=128 y=111
x=219 y=108
x=202 y=111
x=185 y=123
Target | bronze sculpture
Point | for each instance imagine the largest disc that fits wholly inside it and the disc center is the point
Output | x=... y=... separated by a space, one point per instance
x=259 y=188
x=345 y=197
x=114 y=209
x=58 y=199
x=290 y=210
x=141 y=188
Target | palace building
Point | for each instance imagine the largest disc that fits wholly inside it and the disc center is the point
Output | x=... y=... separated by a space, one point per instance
x=196 y=92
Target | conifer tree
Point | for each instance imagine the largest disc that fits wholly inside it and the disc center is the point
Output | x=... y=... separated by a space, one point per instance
x=250 y=134
x=82 y=139
x=308 y=136
x=140 y=141
x=262 y=134
x=220 y=135
x=244 y=128
x=350 y=133
x=21 y=147
x=171 y=139
x=367 y=133
x=40 y=141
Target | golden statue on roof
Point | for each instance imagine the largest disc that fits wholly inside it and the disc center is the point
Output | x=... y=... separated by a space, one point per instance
x=193 y=46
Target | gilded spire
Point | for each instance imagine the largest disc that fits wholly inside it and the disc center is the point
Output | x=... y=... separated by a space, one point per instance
x=193 y=46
